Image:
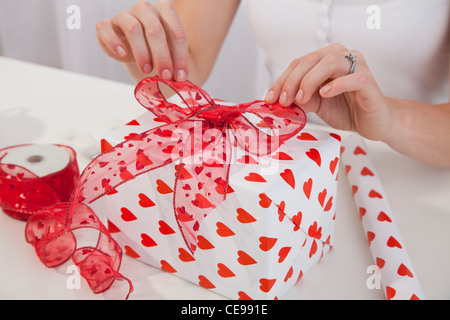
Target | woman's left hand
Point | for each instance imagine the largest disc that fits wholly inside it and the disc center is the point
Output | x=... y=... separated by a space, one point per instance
x=321 y=82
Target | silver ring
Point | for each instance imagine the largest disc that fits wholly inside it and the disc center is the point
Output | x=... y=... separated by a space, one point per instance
x=351 y=57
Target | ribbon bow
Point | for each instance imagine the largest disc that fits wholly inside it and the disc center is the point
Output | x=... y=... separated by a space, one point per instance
x=197 y=138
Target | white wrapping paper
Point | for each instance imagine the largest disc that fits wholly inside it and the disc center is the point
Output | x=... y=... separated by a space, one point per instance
x=398 y=278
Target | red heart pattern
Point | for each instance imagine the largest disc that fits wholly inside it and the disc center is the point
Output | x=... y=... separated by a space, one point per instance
x=255 y=177
x=306 y=136
x=127 y=215
x=203 y=243
x=267 y=243
x=244 y=217
x=224 y=271
x=376 y=217
x=223 y=230
x=307 y=186
x=147 y=241
x=144 y=201
x=266 y=284
x=314 y=155
x=162 y=187
x=155 y=232
x=288 y=176
x=167 y=267
x=245 y=259
x=404 y=271
x=204 y=282
x=282 y=254
x=164 y=228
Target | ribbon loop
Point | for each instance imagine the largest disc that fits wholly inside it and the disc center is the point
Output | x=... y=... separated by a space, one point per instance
x=47 y=231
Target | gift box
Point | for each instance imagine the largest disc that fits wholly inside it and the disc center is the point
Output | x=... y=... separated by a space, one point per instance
x=275 y=217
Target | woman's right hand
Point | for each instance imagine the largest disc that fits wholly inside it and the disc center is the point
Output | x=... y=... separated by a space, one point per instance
x=151 y=36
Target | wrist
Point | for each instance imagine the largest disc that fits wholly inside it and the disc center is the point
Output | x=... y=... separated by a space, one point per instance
x=399 y=122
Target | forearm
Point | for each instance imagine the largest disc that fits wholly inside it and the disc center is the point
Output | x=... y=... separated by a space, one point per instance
x=420 y=131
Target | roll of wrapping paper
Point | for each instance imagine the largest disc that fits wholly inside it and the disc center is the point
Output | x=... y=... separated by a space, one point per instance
x=36 y=185
x=398 y=278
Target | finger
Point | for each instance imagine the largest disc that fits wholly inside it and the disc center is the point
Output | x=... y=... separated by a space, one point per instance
x=356 y=82
x=286 y=87
x=177 y=39
x=273 y=95
x=291 y=87
x=332 y=66
x=156 y=38
x=132 y=29
x=109 y=40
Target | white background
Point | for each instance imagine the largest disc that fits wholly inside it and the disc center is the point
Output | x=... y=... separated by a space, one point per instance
x=36 y=31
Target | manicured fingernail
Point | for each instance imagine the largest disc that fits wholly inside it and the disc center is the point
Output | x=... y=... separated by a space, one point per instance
x=325 y=89
x=283 y=97
x=181 y=75
x=166 y=74
x=147 y=68
x=120 y=51
x=299 y=96
x=270 y=95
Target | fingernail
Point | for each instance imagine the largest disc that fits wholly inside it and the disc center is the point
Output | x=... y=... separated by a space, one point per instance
x=147 y=68
x=283 y=97
x=325 y=89
x=181 y=75
x=120 y=51
x=166 y=74
x=299 y=96
x=270 y=95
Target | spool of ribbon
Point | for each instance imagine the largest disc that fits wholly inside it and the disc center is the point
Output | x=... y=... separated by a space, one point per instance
x=386 y=245
x=36 y=183
x=33 y=177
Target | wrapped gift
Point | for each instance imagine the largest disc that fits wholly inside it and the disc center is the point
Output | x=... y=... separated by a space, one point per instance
x=243 y=207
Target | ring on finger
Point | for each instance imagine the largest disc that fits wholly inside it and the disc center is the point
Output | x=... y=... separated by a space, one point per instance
x=351 y=57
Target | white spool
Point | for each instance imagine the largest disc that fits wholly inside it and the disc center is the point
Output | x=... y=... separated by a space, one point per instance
x=41 y=159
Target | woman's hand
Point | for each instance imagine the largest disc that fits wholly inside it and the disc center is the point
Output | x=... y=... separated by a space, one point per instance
x=151 y=36
x=320 y=82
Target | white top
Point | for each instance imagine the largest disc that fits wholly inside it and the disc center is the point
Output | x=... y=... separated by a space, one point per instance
x=406 y=43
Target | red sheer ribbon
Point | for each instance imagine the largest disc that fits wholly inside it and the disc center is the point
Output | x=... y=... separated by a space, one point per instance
x=43 y=202
x=197 y=139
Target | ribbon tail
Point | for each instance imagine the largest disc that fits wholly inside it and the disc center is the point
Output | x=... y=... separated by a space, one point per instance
x=99 y=264
x=201 y=180
x=55 y=242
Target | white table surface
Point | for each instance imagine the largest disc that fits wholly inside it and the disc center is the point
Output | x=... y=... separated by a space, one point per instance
x=44 y=105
